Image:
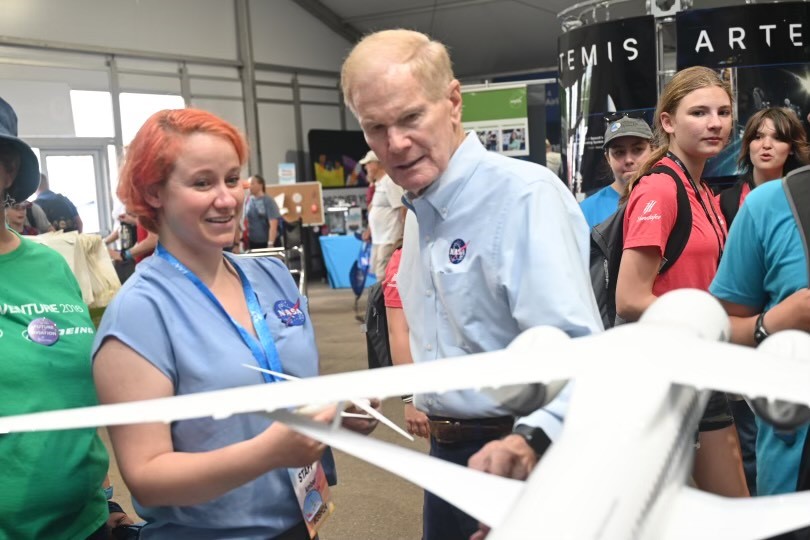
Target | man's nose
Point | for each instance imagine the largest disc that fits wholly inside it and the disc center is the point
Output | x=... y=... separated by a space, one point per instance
x=398 y=140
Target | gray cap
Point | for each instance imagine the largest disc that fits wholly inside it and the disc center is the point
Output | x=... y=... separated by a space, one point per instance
x=627 y=127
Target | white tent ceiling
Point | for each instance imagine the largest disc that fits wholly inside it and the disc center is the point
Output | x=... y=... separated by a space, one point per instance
x=485 y=37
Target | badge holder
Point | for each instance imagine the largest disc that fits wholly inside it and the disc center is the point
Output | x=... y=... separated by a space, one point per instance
x=314 y=497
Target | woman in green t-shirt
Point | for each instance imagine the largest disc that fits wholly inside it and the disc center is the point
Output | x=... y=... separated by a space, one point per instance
x=52 y=481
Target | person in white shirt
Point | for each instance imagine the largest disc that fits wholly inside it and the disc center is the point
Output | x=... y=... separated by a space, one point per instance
x=386 y=215
x=493 y=246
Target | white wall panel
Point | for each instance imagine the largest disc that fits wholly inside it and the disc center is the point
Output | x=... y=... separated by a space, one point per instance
x=230 y=110
x=277 y=132
x=351 y=121
x=318 y=117
x=189 y=27
x=285 y=34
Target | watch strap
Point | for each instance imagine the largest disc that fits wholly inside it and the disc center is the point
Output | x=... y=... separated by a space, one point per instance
x=535 y=437
x=760 y=333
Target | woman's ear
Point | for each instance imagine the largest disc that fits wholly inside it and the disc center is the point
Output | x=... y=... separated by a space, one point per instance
x=152 y=196
x=667 y=122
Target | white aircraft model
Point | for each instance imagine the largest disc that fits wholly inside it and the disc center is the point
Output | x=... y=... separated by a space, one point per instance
x=620 y=468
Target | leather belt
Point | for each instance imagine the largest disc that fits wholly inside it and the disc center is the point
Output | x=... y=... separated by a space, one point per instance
x=446 y=430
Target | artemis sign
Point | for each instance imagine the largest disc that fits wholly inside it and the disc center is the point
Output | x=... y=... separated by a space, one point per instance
x=744 y=35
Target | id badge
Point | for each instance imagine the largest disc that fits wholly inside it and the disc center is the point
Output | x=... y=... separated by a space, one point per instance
x=314 y=497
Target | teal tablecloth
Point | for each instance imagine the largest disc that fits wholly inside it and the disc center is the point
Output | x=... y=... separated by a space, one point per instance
x=339 y=253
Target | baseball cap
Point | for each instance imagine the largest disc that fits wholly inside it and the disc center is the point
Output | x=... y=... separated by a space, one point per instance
x=27 y=180
x=626 y=127
x=370 y=156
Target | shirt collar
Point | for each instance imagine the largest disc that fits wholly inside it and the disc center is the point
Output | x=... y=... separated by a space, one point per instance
x=449 y=185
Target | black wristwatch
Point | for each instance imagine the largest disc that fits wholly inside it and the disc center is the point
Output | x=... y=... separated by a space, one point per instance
x=759 y=329
x=536 y=438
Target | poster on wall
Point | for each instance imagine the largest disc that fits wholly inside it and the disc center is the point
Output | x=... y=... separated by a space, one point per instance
x=336 y=156
x=604 y=68
x=500 y=118
x=762 y=50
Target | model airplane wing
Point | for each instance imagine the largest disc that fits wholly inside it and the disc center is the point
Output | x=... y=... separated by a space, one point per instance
x=696 y=514
x=496 y=369
x=494 y=495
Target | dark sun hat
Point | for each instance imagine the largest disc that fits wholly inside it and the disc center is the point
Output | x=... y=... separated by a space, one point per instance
x=27 y=180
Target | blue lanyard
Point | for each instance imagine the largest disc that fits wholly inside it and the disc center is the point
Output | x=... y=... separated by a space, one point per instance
x=264 y=351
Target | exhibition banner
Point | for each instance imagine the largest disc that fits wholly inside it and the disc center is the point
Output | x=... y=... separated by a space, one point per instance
x=604 y=68
x=748 y=35
x=500 y=118
x=762 y=50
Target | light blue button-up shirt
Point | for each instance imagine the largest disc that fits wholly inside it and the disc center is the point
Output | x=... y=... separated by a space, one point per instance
x=496 y=246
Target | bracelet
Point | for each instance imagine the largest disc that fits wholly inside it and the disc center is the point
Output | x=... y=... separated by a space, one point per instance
x=113 y=507
x=126 y=255
x=407 y=399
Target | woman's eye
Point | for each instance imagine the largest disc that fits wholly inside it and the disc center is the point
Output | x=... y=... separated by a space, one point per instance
x=233 y=181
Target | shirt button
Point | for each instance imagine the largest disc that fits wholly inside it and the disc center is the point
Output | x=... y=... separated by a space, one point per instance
x=428 y=292
x=427 y=238
x=429 y=347
x=444 y=211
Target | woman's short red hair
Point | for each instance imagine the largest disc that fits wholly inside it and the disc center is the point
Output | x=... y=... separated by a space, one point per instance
x=152 y=154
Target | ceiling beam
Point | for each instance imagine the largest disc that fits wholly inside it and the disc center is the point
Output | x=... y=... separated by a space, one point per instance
x=330 y=19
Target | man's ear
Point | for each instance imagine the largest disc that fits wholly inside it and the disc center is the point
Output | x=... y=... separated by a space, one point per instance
x=454 y=94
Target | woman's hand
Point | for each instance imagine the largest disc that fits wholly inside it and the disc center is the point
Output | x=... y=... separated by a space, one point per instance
x=363 y=426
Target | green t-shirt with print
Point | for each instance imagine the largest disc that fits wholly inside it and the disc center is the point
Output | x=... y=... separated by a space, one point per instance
x=51 y=481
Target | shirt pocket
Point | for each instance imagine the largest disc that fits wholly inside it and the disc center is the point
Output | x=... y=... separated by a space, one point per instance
x=454 y=302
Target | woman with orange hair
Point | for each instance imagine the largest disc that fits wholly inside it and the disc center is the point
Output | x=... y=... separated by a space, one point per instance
x=184 y=323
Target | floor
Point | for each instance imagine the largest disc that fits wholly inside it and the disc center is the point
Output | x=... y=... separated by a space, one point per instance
x=369 y=503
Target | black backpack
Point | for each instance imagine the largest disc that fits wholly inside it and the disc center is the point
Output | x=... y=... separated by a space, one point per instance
x=376 y=328
x=730 y=201
x=797 y=190
x=59 y=212
x=607 y=244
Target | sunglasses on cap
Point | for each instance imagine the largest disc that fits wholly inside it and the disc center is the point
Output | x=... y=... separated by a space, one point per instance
x=25 y=205
x=612 y=117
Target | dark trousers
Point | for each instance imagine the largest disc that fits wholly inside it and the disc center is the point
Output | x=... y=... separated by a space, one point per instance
x=440 y=520
x=257 y=245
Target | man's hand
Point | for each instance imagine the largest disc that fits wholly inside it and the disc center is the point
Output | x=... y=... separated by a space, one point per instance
x=416 y=422
x=791 y=313
x=511 y=457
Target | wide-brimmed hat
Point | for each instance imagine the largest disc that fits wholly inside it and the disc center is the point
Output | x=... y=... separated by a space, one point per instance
x=626 y=127
x=370 y=156
x=27 y=180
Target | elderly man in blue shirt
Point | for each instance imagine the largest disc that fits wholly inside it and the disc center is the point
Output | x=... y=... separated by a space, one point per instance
x=493 y=246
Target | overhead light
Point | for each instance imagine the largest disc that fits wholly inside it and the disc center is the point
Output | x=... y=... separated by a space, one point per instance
x=570 y=24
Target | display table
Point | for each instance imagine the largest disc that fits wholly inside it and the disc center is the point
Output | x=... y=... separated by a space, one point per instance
x=339 y=253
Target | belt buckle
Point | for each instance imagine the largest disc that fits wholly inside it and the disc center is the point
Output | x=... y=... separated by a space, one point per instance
x=443 y=432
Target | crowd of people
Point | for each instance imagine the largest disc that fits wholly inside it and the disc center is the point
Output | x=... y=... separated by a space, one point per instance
x=491 y=246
